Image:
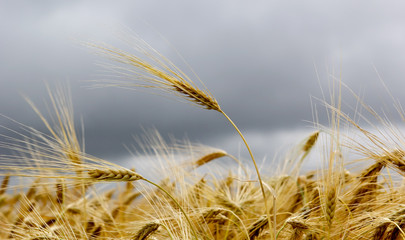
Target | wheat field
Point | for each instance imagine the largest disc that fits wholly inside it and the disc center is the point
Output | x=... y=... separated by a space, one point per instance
x=51 y=189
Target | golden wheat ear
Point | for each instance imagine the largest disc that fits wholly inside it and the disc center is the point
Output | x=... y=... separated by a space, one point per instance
x=159 y=73
x=126 y=175
x=146 y=231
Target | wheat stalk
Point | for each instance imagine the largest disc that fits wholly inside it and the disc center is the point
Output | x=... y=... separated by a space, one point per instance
x=129 y=175
x=160 y=73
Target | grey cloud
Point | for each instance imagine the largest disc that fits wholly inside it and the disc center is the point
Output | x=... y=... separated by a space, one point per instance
x=258 y=59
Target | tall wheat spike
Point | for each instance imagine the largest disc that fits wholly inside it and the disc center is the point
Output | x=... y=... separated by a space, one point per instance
x=330 y=203
x=160 y=73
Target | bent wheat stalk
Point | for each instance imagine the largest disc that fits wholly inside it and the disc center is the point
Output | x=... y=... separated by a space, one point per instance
x=109 y=174
x=160 y=73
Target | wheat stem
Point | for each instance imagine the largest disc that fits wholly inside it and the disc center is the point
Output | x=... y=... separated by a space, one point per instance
x=254 y=163
x=177 y=203
x=169 y=78
x=130 y=176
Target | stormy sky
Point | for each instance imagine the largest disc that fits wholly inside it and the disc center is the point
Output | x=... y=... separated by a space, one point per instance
x=263 y=61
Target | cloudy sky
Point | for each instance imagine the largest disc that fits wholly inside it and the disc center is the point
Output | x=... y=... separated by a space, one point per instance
x=263 y=60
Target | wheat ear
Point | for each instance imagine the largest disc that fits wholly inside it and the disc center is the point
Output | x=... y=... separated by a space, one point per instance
x=381 y=228
x=129 y=175
x=96 y=232
x=330 y=207
x=299 y=227
x=309 y=144
x=114 y=175
x=367 y=185
x=256 y=228
x=4 y=184
x=60 y=192
x=162 y=74
x=395 y=228
x=146 y=231
x=306 y=149
x=209 y=157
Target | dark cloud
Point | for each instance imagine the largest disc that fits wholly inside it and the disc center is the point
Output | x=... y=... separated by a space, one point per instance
x=261 y=60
